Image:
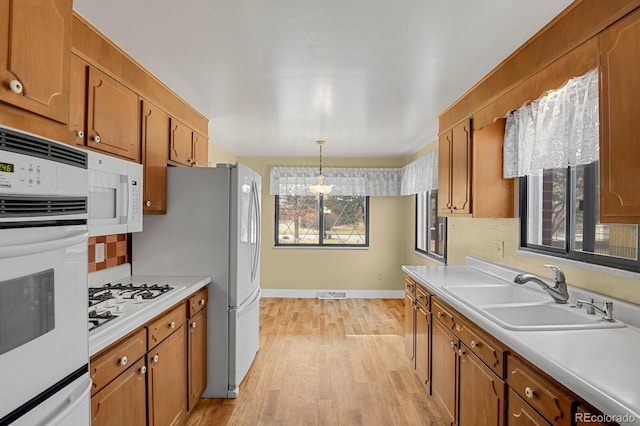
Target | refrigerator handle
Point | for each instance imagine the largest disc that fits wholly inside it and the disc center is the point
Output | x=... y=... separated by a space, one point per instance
x=252 y=230
x=258 y=229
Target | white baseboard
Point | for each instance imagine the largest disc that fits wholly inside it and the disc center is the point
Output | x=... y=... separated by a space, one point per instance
x=351 y=294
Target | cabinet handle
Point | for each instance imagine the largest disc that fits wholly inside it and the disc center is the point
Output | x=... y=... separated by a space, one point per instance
x=80 y=134
x=460 y=352
x=193 y=325
x=123 y=361
x=97 y=138
x=15 y=86
x=452 y=344
x=143 y=369
x=202 y=301
x=529 y=392
x=148 y=203
x=156 y=358
x=474 y=344
x=439 y=314
x=173 y=324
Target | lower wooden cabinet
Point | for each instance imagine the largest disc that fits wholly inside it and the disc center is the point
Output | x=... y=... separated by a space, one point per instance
x=123 y=401
x=422 y=353
x=521 y=413
x=197 y=357
x=444 y=373
x=167 y=381
x=482 y=394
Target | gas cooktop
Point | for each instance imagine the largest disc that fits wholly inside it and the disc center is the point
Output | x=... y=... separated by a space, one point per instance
x=108 y=301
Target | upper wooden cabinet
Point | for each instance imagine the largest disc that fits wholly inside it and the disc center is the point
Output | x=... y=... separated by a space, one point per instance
x=620 y=127
x=35 y=48
x=155 y=146
x=78 y=100
x=454 y=170
x=112 y=116
x=187 y=147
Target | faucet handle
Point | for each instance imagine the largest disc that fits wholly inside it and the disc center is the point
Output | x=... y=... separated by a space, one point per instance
x=557 y=272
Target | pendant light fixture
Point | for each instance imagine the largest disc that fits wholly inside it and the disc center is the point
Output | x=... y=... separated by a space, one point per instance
x=320 y=188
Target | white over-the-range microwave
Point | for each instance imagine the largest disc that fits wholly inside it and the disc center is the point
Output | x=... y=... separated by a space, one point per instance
x=115 y=195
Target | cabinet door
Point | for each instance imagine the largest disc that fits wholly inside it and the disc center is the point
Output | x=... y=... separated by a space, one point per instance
x=155 y=148
x=461 y=168
x=423 y=324
x=167 y=380
x=444 y=172
x=112 y=116
x=409 y=327
x=197 y=357
x=181 y=143
x=35 y=49
x=444 y=376
x=620 y=127
x=481 y=392
x=493 y=196
x=521 y=413
x=200 y=150
x=78 y=99
x=123 y=401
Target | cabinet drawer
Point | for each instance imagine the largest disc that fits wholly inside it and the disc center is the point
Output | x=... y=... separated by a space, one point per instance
x=548 y=399
x=487 y=349
x=162 y=327
x=409 y=285
x=109 y=363
x=197 y=302
x=422 y=296
x=521 y=413
x=443 y=314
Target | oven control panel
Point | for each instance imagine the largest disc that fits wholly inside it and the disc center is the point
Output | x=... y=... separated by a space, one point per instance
x=26 y=175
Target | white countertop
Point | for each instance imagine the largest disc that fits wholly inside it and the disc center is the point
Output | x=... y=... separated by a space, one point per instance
x=602 y=366
x=112 y=331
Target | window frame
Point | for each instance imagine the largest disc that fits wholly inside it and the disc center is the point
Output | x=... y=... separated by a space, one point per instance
x=320 y=244
x=589 y=216
x=426 y=217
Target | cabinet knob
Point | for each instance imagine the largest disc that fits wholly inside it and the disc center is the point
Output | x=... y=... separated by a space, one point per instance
x=452 y=344
x=439 y=314
x=123 y=361
x=148 y=204
x=173 y=324
x=460 y=352
x=202 y=301
x=156 y=358
x=193 y=325
x=474 y=344
x=529 y=392
x=80 y=134
x=143 y=369
x=15 y=86
x=97 y=138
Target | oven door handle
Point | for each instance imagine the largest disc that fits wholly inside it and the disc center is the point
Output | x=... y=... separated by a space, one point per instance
x=8 y=252
x=79 y=396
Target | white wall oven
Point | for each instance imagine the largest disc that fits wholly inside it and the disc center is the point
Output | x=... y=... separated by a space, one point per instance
x=44 y=350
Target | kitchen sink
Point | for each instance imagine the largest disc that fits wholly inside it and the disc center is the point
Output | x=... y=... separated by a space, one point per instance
x=545 y=317
x=482 y=295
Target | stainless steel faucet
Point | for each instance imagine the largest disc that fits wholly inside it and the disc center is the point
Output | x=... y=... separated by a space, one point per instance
x=559 y=292
x=606 y=310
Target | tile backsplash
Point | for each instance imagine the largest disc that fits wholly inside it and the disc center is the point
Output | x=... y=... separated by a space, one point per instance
x=115 y=251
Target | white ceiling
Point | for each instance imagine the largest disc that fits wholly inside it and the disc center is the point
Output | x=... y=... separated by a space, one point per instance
x=368 y=76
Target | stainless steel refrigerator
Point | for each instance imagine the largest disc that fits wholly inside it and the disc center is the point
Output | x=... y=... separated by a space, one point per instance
x=212 y=227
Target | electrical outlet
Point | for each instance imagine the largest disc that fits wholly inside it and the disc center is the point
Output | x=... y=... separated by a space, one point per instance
x=498 y=248
x=99 y=252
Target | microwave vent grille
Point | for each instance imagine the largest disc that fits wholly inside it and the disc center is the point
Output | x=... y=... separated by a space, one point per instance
x=25 y=144
x=41 y=206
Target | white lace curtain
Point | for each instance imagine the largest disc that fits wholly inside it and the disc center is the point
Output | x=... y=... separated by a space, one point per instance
x=418 y=176
x=558 y=130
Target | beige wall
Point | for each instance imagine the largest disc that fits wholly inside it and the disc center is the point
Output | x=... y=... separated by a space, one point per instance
x=375 y=268
x=217 y=154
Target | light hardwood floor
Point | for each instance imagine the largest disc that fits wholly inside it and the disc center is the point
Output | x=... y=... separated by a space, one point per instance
x=326 y=362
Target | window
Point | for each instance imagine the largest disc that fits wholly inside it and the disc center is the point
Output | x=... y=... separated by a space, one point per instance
x=431 y=229
x=332 y=220
x=560 y=217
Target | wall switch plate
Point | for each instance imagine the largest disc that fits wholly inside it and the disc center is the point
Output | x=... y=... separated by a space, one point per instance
x=99 y=252
x=498 y=248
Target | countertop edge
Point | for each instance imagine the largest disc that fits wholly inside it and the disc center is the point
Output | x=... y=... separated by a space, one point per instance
x=590 y=392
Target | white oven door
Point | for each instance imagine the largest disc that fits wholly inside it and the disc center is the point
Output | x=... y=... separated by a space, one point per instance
x=43 y=314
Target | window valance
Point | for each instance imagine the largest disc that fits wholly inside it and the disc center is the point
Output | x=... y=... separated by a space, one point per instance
x=418 y=176
x=558 y=130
